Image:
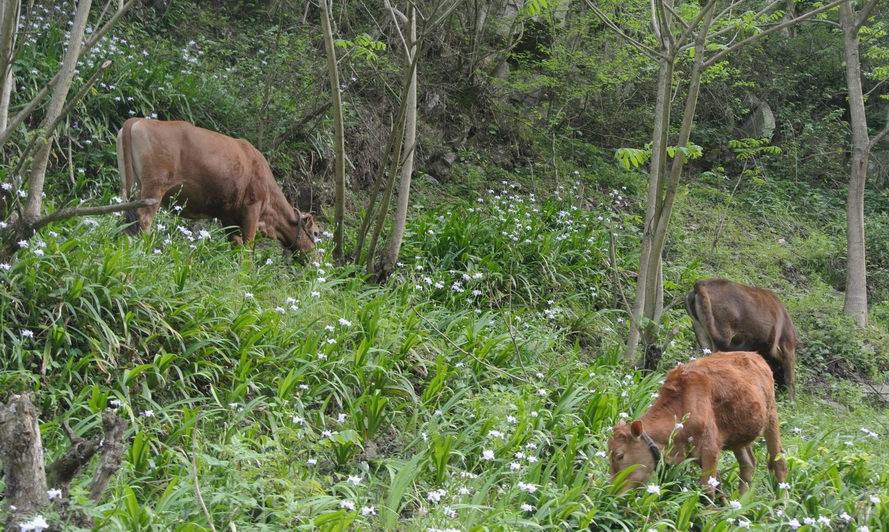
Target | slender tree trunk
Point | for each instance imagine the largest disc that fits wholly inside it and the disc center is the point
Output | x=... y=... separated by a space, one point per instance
x=57 y=102
x=339 y=142
x=410 y=139
x=9 y=16
x=662 y=193
x=856 y=273
x=656 y=168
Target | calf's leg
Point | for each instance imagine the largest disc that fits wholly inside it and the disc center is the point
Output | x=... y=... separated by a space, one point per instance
x=773 y=441
x=709 y=458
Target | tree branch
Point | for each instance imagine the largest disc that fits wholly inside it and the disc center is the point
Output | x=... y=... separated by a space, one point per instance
x=648 y=52
x=709 y=62
x=88 y=45
x=879 y=136
x=47 y=132
x=690 y=28
x=865 y=13
x=64 y=214
x=758 y=14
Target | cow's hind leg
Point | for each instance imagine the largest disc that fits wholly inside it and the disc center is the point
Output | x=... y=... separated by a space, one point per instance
x=144 y=215
x=746 y=466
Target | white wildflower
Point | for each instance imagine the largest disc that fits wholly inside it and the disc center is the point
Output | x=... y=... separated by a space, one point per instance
x=530 y=488
x=436 y=495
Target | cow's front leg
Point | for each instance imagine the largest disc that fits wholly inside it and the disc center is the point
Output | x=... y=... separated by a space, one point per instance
x=709 y=458
x=250 y=222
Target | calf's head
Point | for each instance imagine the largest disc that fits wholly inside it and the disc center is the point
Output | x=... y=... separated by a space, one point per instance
x=628 y=447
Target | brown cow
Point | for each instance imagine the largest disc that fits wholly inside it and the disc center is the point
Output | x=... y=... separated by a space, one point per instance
x=724 y=401
x=728 y=316
x=214 y=175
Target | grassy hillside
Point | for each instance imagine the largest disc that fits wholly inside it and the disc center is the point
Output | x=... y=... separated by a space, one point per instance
x=477 y=387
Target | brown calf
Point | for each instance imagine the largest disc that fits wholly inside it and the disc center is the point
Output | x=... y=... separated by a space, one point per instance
x=728 y=316
x=216 y=176
x=724 y=401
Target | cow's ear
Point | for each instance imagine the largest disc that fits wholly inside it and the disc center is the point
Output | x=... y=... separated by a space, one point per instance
x=306 y=217
x=636 y=428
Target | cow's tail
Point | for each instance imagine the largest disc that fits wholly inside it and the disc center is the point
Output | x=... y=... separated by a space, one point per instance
x=784 y=349
x=702 y=311
x=127 y=171
x=690 y=305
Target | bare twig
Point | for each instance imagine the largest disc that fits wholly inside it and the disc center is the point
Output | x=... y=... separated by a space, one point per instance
x=879 y=136
x=740 y=44
x=865 y=13
x=194 y=471
x=647 y=51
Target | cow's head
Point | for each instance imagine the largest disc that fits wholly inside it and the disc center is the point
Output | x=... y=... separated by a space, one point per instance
x=626 y=448
x=302 y=232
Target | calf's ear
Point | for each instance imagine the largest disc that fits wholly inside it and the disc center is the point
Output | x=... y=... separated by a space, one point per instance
x=636 y=428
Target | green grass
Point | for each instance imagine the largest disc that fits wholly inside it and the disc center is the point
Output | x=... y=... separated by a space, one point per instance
x=308 y=397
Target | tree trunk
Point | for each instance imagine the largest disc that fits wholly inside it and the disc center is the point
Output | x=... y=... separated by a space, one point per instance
x=21 y=451
x=339 y=142
x=856 y=273
x=662 y=192
x=9 y=16
x=656 y=171
x=60 y=93
x=410 y=139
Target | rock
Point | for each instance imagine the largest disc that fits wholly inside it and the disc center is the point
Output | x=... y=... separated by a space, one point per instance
x=761 y=122
x=431 y=180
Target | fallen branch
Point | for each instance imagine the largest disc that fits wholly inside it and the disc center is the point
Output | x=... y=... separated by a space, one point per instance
x=61 y=472
x=64 y=214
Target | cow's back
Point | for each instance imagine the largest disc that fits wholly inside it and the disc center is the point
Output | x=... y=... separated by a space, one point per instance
x=211 y=173
x=756 y=316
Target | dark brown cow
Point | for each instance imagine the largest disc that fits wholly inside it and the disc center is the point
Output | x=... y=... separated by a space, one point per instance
x=728 y=316
x=723 y=401
x=213 y=175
